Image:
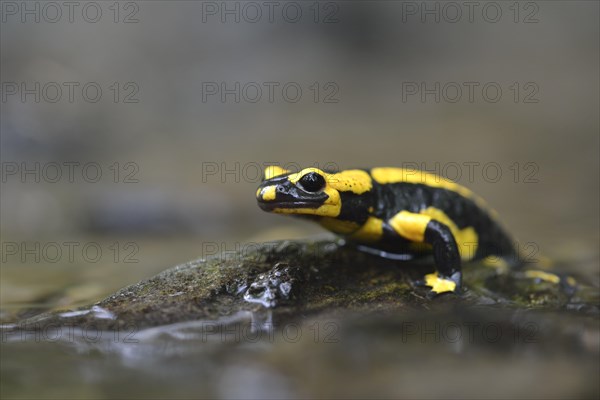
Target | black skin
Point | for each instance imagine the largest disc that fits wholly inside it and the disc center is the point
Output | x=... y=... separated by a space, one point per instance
x=445 y=251
x=386 y=200
x=396 y=197
x=389 y=199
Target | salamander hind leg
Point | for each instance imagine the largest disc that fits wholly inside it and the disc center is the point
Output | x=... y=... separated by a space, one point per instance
x=422 y=228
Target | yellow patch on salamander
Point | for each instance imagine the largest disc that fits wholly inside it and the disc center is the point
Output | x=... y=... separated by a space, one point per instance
x=439 y=285
x=466 y=238
x=545 y=276
x=268 y=193
x=371 y=231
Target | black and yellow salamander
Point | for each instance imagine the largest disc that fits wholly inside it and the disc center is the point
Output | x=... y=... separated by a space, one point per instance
x=395 y=213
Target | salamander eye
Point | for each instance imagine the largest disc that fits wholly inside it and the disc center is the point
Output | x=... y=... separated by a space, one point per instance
x=312 y=182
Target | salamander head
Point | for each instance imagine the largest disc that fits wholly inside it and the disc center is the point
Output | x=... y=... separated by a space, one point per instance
x=310 y=191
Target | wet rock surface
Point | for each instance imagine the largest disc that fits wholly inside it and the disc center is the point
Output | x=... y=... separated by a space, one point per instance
x=296 y=318
x=277 y=285
x=311 y=277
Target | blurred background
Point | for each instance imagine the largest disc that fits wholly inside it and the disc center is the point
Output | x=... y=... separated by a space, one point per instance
x=132 y=133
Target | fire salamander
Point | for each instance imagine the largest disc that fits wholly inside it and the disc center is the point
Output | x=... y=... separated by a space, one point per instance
x=395 y=213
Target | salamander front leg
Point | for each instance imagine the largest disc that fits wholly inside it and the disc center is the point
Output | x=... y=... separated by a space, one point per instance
x=448 y=277
x=422 y=228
